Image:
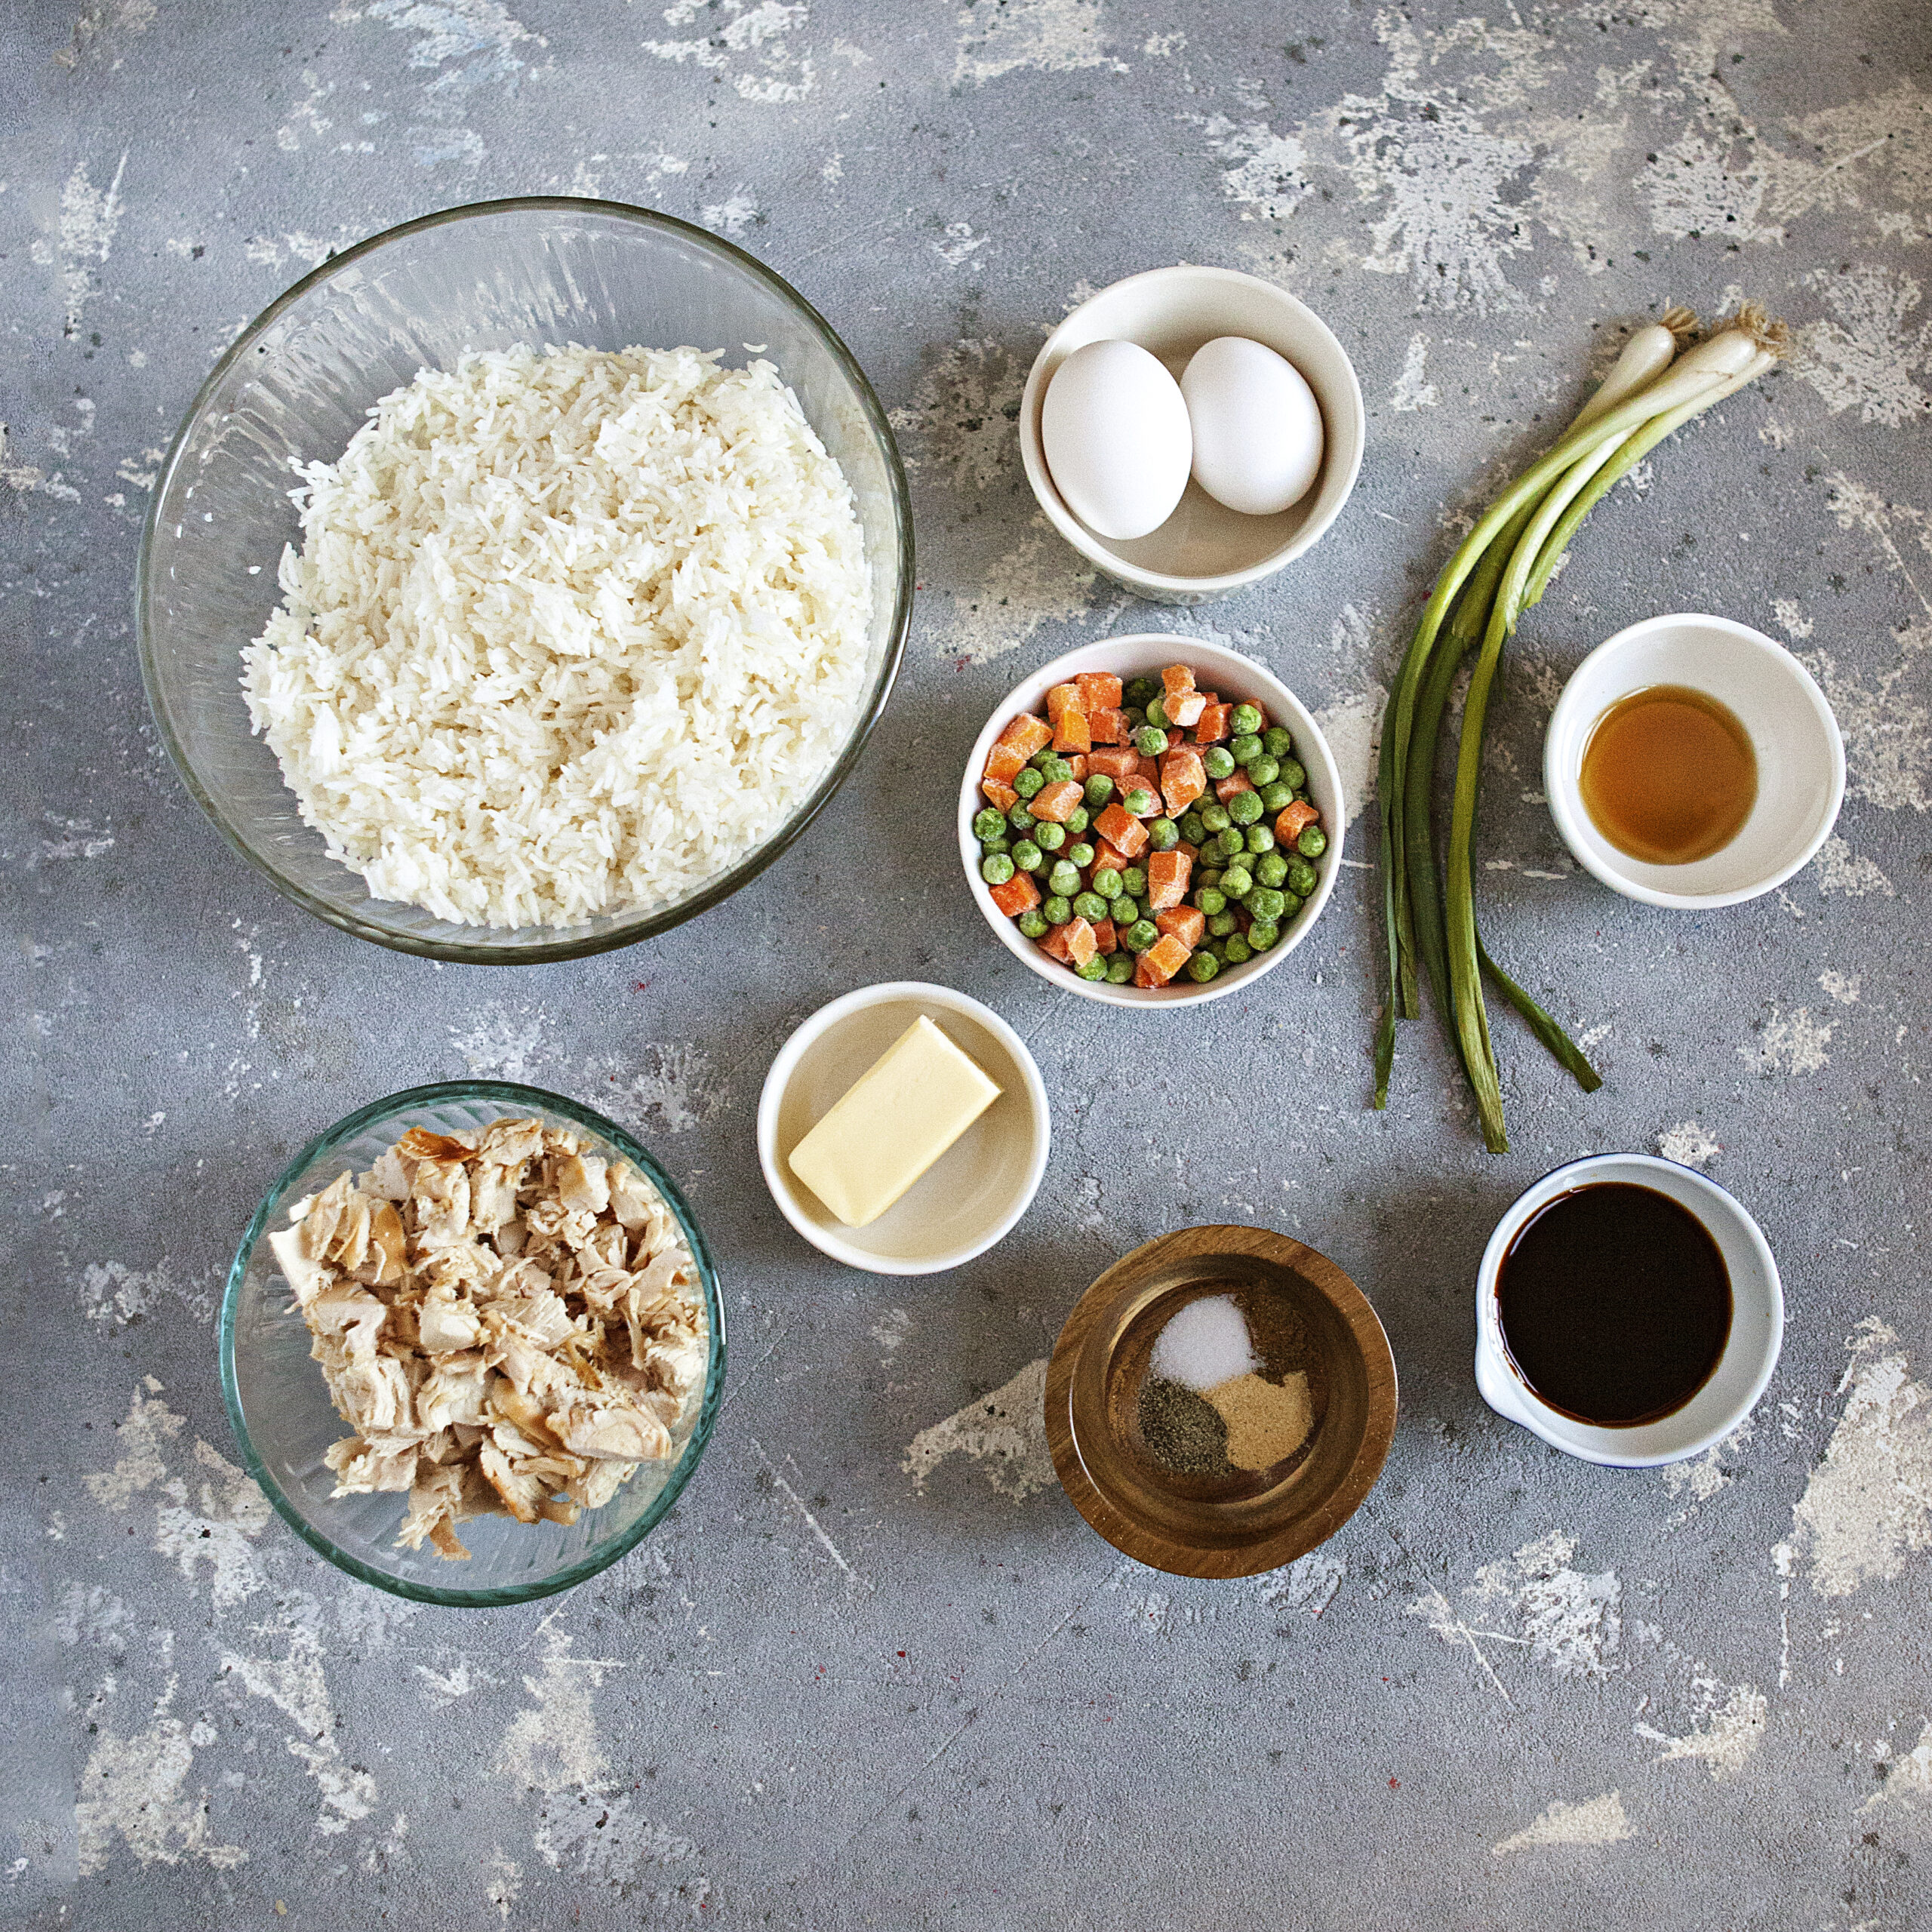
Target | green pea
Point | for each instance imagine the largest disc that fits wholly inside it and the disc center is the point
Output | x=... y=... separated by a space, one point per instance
x=1260 y=838
x=1293 y=775
x=1291 y=904
x=1261 y=935
x=1120 y=970
x=1222 y=923
x=1214 y=817
x=1265 y=905
x=1081 y=855
x=1244 y=807
x=1095 y=968
x=1028 y=856
x=1237 y=882
x=1141 y=690
x=1150 y=741
x=1277 y=741
x=1277 y=797
x=1313 y=841
x=1245 y=748
x=987 y=845
x=1089 y=906
x=1140 y=801
x=1209 y=876
x=1041 y=759
x=1246 y=722
x=1055 y=771
x=988 y=824
x=1202 y=967
x=1055 y=910
x=1218 y=761
x=1135 y=718
x=1032 y=923
x=1064 y=879
x=1139 y=936
x=1263 y=770
x=1144 y=907
x=1192 y=829
x=1302 y=876
x=1106 y=882
x=1236 y=951
x=1211 y=899
x=1077 y=821
x=1100 y=790
x=1230 y=844
x=1163 y=835
x=1157 y=713
x=1134 y=882
x=1270 y=869
x=996 y=868
x=1020 y=817
x=1028 y=783
x=1048 y=836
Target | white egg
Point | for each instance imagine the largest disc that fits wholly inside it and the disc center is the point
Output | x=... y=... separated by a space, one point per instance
x=1257 y=427
x=1115 y=432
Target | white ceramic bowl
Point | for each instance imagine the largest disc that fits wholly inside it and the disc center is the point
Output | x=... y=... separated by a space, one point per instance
x=972 y=1194
x=1217 y=669
x=1750 y=1354
x=1204 y=550
x=1800 y=757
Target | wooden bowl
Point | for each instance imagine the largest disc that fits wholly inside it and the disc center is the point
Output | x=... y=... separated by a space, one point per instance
x=1223 y=1525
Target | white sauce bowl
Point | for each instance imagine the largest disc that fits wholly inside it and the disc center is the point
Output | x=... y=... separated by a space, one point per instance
x=1801 y=756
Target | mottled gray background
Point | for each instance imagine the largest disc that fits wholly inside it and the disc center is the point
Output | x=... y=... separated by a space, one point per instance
x=850 y=1682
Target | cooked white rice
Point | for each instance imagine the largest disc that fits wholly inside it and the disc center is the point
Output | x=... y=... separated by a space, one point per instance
x=569 y=634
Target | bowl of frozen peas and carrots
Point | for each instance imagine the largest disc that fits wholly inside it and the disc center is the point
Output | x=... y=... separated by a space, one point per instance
x=1151 y=819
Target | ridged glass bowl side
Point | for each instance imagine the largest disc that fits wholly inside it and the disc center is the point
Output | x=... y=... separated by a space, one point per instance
x=283 y=1419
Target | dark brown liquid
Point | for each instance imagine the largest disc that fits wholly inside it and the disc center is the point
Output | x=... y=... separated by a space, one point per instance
x=1615 y=1304
x=1669 y=775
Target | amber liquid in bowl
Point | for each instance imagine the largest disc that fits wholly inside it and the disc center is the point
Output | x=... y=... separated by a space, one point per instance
x=1669 y=775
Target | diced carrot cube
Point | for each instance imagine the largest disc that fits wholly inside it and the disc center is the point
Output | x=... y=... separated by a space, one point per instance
x=1148 y=768
x=1161 y=961
x=1099 y=690
x=1185 y=709
x=1167 y=874
x=1176 y=679
x=1003 y=762
x=1028 y=734
x=1107 y=858
x=1081 y=945
x=1232 y=785
x=1018 y=894
x=1294 y=820
x=1122 y=831
x=1056 y=802
x=1192 y=851
x=1106 y=939
x=1070 y=732
x=1002 y=798
x=1054 y=944
x=1078 y=763
x=1108 y=725
x=1183 y=779
x=1116 y=762
x=1187 y=924
x=1059 y=699
x=1213 y=725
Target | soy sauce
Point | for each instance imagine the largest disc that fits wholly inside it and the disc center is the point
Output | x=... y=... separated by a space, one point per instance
x=1615 y=1304
x=1669 y=775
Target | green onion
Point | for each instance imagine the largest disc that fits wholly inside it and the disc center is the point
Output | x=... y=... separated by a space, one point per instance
x=1498 y=571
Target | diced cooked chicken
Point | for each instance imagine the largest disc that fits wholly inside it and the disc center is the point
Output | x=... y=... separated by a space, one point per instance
x=508 y=1319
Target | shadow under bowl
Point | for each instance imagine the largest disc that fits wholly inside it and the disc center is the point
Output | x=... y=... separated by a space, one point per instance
x=1222 y=1526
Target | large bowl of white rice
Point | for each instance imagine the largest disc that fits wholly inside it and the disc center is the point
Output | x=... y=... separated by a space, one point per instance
x=525 y=580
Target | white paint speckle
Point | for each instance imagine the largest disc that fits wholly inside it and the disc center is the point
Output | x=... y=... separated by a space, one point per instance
x=735 y=216
x=89 y=216
x=1791 y=620
x=1596 y=1821
x=1789 y=1043
x=1568 y=1619
x=1728 y=1723
x=1413 y=390
x=1838 y=868
x=1688 y=1145
x=1051 y=36
x=1842 y=987
x=1308 y=1583
x=1004 y=1431
x=1865 y=356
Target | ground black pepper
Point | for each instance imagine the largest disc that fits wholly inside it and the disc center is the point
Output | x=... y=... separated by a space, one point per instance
x=1183 y=1431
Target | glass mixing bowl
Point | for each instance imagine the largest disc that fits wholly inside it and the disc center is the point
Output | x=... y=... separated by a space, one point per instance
x=297 y=385
x=283 y=1419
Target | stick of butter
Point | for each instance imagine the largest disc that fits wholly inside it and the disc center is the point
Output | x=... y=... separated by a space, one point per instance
x=916 y=1099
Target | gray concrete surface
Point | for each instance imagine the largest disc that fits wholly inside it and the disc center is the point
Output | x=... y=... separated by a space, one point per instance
x=869 y=1676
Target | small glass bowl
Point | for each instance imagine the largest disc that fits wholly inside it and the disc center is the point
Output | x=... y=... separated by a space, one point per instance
x=284 y=1419
x=298 y=383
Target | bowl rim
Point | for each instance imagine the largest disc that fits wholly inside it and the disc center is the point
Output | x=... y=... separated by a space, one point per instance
x=1560 y=785
x=1358 y=1313
x=814 y=1027
x=661 y=919
x=1167 y=583
x=512 y=1093
x=1504 y=1389
x=1241 y=978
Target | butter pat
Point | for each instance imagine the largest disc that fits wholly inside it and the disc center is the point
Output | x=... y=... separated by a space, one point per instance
x=918 y=1098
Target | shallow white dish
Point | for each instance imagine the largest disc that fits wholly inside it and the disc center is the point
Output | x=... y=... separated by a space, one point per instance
x=1801 y=756
x=1217 y=669
x=971 y=1197
x=1744 y=1369
x=1204 y=550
